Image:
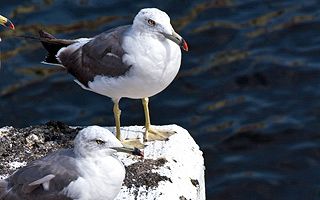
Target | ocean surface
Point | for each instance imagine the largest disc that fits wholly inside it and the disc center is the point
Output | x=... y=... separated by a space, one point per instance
x=248 y=90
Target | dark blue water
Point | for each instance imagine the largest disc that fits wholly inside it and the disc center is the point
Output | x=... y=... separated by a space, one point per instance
x=248 y=89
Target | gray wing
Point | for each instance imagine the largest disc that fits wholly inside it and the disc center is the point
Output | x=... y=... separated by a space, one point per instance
x=100 y=56
x=23 y=184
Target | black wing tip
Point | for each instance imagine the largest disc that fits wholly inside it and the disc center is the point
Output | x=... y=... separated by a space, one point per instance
x=51 y=48
x=44 y=34
x=51 y=59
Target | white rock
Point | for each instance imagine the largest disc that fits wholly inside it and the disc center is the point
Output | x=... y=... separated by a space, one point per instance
x=15 y=165
x=183 y=169
x=4 y=130
x=3 y=176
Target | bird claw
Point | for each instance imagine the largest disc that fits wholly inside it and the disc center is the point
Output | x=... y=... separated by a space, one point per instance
x=153 y=134
x=133 y=143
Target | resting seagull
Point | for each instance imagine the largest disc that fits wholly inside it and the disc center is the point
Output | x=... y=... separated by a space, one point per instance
x=6 y=22
x=135 y=61
x=90 y=171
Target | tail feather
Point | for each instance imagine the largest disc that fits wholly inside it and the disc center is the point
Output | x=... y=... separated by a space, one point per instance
x=52 y=45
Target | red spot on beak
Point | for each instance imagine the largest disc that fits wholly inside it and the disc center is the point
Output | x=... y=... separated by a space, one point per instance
x=12 y=26
x=137 y=152
x=9 y=24
x=185 y=45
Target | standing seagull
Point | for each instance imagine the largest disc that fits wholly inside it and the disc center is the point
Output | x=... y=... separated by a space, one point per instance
x=135 y=61
x=88 y=172
x=6 y=22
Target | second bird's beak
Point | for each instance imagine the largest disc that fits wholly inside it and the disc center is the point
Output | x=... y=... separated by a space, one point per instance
x=6 y=22
x=133 y=151
x=175 y=37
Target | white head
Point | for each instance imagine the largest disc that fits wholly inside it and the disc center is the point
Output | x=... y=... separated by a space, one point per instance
x=157 y=22
x=153 y=20
x=93 y=140
x=97 y=141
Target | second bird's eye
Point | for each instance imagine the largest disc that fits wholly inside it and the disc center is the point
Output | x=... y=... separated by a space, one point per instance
x=100 y=141
x=151 y=22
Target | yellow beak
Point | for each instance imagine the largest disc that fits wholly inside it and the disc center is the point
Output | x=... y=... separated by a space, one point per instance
x=5 y=22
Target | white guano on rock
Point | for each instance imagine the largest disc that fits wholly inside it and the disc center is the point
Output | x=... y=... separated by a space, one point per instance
x=177 y=164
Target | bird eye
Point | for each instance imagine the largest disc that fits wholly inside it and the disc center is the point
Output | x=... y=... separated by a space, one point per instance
x=151 y=22
x=100 y=142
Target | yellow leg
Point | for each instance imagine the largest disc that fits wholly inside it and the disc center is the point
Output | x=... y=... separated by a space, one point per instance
x=151 y=133
x=126 y=142
x=145 y=103
x=117 y=113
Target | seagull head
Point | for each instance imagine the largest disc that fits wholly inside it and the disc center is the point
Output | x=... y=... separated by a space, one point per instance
x=6 y=22
x=96 y=141
x=155 y=21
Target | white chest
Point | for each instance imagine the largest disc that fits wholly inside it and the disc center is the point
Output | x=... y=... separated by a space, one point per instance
x=101 y=179
x=153 y=59
x=155 y=63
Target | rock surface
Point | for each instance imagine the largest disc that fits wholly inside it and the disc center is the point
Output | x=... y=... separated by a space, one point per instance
x=172 y=169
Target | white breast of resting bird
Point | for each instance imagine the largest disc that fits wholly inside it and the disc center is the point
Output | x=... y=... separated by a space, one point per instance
x=101 y=181
x=155 y=63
